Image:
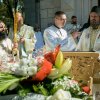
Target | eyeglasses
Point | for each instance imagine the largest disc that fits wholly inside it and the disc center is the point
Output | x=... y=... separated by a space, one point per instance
x=62 y=19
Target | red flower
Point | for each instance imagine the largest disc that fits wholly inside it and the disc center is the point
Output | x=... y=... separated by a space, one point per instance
x=86 y=89
x=51 y=56
x=44 y=71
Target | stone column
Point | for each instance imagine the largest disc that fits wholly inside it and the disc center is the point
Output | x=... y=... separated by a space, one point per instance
x=47 y=10
x=29 y=6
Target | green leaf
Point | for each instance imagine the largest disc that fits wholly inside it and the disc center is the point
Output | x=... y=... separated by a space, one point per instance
x=6 y=80
x=43 y=90
x=35 y=88
x=23 y=92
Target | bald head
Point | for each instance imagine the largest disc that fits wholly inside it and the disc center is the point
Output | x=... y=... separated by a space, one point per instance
x=2 y=26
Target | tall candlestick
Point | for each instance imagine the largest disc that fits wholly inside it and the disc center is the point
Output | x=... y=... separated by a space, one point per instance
x=15 y=19
x=15 y=49
x=15 y=27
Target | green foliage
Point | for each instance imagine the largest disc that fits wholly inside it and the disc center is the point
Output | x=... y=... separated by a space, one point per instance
x=7 y=80
x=40 y=89
x=23 y=92
x=6 y=10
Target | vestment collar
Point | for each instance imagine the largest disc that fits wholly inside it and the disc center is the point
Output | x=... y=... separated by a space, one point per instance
x=57 y=26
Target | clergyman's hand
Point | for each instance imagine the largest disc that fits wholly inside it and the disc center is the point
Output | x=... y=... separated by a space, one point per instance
x=75 y=34
x=22 y=40
x=15 y=45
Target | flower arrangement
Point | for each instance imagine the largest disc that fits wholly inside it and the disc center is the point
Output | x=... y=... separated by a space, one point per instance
x=46 y=74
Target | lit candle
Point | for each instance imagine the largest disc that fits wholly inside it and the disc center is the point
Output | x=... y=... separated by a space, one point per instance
x=15 y=49
x=15 y=20
x=15 y=27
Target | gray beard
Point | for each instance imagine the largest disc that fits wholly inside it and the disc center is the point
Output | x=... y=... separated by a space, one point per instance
x=94 y=24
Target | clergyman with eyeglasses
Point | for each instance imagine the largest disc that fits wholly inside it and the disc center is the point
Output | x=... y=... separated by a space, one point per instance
x=56 y=35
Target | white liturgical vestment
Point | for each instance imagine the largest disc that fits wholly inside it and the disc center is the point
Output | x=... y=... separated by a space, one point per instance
x=54 y=36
